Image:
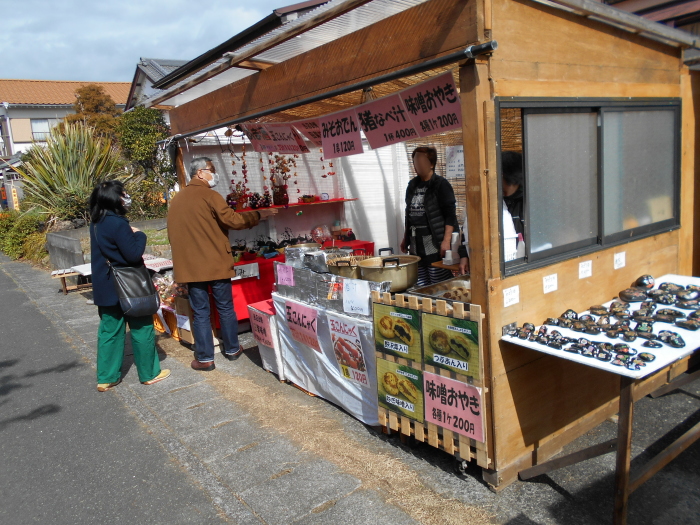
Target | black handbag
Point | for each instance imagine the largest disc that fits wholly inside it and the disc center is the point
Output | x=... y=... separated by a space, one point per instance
x=138 y=296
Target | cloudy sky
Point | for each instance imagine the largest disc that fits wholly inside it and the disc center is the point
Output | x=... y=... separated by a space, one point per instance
x=103 y=41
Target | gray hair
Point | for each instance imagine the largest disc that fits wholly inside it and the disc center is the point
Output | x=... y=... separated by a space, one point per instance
x=197 y=164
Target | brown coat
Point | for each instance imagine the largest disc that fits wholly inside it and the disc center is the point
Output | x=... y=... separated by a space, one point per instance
x=198 y=224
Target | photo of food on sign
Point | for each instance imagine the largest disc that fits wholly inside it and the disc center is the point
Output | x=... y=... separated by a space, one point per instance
x=347 y=347
x=400 y=389
x=452 y=344
x=397 y=331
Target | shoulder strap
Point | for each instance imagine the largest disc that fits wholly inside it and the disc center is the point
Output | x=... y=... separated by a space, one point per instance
x=97 y=238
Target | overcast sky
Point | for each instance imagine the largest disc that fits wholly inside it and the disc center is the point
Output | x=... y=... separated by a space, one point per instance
x=103 y=41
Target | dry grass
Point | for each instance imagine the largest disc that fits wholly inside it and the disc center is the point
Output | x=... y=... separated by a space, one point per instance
x=308 y=428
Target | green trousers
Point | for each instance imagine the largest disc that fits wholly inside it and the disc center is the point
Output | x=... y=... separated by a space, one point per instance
x=111 y=336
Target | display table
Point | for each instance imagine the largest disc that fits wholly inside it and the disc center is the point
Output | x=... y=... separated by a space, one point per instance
x=629 y=380
x=316 y=370
x=364 y=246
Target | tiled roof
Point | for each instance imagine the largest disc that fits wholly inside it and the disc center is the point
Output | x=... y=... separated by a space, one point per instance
x=55 y=91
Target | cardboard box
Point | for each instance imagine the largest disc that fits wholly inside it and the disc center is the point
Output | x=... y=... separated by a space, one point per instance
x=184 y=319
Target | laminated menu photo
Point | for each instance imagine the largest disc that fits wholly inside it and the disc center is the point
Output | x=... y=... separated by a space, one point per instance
x=397 y=331
x=451 y=344
x=400 y=389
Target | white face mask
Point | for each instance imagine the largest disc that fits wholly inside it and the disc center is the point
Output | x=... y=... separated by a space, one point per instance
x=214 y=180
x=126 y=201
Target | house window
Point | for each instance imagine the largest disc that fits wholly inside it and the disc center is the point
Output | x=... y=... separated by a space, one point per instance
x=595 y=174
x=40 y=129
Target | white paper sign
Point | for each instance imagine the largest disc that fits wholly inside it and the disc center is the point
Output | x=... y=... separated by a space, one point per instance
x=356 y=297
x=619 y=261
x=454 y=161
x=511 y=296
x=183 y=322
x=585 y=269
x=549 y=283
x=244 y=271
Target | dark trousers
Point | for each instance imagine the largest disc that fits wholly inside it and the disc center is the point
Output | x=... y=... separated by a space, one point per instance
x=223 y=299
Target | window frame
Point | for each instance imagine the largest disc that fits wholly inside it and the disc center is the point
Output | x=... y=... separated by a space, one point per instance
x=44 y=134
x=601 y=242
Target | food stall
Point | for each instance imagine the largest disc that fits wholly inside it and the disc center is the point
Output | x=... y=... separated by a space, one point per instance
x=606 y=128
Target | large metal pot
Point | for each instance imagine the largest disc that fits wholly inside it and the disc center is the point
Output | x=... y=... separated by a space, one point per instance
x=346 y=266
x=401 y=270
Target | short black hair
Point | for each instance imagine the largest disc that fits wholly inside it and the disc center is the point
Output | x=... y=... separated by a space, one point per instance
x=512 y=167
x=429 y=151
x=107 y=196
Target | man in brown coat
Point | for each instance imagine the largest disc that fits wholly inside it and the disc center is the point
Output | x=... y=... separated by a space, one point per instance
x=198 y=224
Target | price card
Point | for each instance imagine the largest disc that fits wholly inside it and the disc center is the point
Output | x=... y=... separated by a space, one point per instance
x=245 y=271
x=285 y=275
x=549 y=283
x=619 y=261
x=356 y=297
x=511 y=296
x=585 y=269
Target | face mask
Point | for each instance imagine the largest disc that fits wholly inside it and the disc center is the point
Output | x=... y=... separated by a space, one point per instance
x=214 y=180
x=126 y=201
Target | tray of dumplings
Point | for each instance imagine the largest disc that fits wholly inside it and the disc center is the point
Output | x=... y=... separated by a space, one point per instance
x=455 y=289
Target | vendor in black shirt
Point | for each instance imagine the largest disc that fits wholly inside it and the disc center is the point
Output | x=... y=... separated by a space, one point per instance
x=430 y=217
x=512 y=170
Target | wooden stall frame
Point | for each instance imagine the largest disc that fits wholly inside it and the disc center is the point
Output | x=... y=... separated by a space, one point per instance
x=462 y=447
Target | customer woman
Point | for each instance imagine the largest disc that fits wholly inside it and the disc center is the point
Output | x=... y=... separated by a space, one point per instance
x=431 y=217
x=113 y=240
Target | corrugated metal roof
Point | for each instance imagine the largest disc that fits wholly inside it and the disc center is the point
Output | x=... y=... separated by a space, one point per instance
x=156 y=68
x=55 y=92
x=338 y=27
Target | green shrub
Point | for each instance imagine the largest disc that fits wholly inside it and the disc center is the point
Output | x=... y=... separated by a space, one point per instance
x=7 y=221
x=34 y=248
x=24 y=226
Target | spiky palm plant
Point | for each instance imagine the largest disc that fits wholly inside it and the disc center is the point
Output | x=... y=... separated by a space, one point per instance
x=59 y=175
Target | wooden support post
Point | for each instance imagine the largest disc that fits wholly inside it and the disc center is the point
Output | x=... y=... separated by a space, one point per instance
x=180 y=169
x=624 y=451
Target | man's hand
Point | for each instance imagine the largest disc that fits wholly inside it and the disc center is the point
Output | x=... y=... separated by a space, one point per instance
x=402 y=246
x=135 y=229
x=463 y=265
x=267 y=212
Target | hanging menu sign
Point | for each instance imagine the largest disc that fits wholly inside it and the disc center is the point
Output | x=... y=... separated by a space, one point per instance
x=347 y=347
x=385 y=121
x=340 y=134
x=260 y=138
x=311 y=130
x=286 y=138
x=433 y=106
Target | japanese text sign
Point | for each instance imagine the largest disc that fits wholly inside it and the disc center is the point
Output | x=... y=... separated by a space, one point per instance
x=303 y=324
x=453 y=405
x=452 y=344
x=400 y=389
x=347 y=346
x=385 y=121
x=286 y=138
x=260 y=326
x=433 y=106
x=397 y=331
x=259 y=137
x=340 y=134
x=311 y=130
x=285 y=275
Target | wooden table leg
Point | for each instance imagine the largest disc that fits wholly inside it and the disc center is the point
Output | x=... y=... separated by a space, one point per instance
x=624 y=451
x=63 y=285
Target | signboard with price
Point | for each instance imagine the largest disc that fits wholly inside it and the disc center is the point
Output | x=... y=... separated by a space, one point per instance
x=260 y=326
x=433 y=106
x=453 y=405
x=347 y=346
x=385 y=122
